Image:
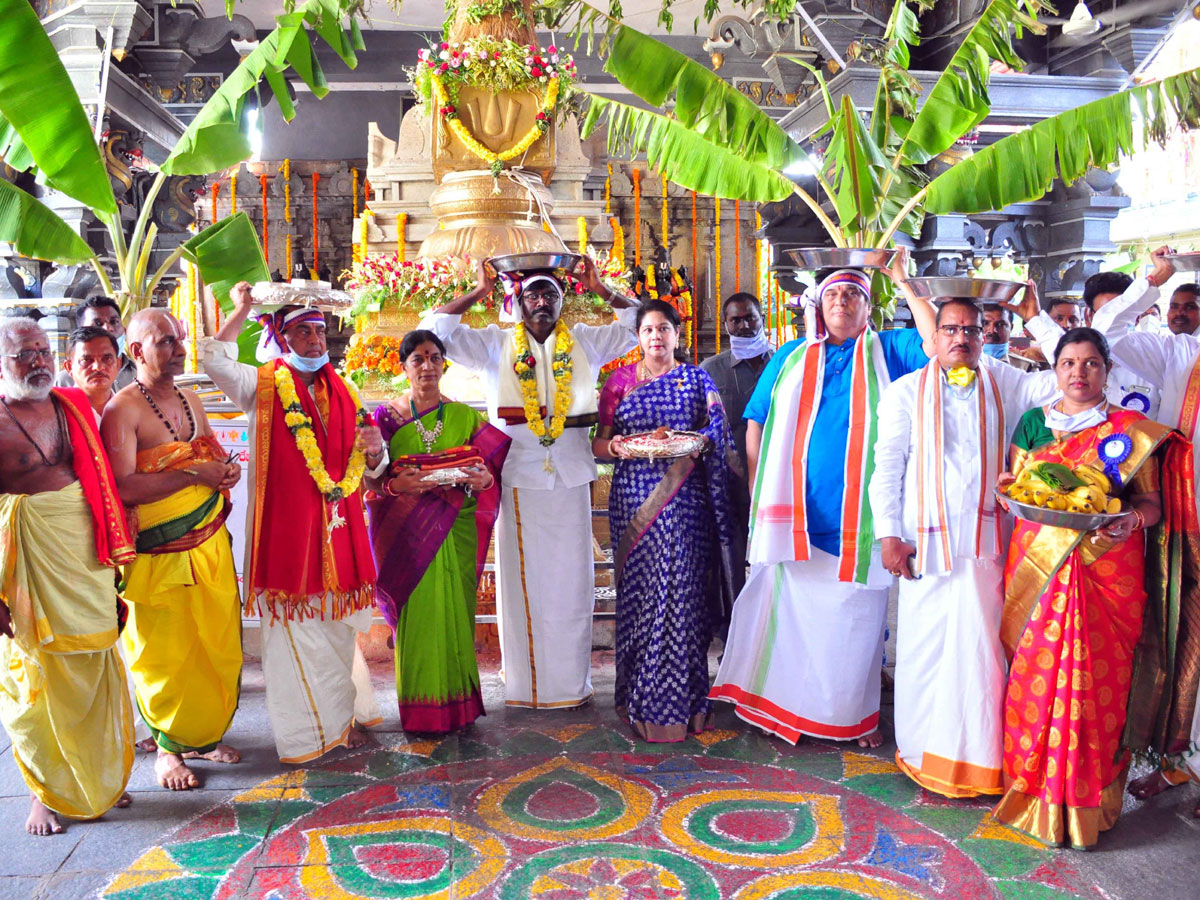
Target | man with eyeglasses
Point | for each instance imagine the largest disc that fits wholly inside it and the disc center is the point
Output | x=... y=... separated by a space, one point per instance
x=64 y=699
x=807 y=630
x=943 y=436
x=103 y=313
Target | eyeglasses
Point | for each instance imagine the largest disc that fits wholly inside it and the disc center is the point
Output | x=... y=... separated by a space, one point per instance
x=970 y=332
x=26 y=357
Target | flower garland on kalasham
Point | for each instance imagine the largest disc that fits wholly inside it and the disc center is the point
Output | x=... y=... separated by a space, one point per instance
x=495 y=65
x=301 y=427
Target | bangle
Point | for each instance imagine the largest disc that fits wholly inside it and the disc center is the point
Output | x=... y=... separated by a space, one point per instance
x=610 y=447
x=1141 y=519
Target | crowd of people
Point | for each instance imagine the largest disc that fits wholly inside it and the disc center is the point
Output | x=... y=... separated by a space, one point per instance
x=1030 y=659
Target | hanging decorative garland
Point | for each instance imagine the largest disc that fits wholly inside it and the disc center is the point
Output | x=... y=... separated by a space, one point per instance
x=608 y=192
x=262 y=183
x=287 y=252
x=316 y=238
x=637 y=217
x=665 y=233
x=582 y=234
x=717 y=275
x=233 y=194
x=617 y=254
x=214 y=189
x=758 y=249
x=401 y=229
x=354 y=193
x=195 y=298
x=360 y=250
x=286 y=171
x=695 y=257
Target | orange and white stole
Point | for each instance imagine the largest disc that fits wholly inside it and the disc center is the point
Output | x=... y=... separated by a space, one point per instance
x=778 y=516
x=1189 y=404
x=935 y=540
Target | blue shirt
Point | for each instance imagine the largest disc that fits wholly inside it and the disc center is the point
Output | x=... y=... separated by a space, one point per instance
x=826 y=475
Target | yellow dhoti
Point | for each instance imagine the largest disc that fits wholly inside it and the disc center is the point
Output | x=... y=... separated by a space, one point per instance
x=63 y=695
x=183 y=640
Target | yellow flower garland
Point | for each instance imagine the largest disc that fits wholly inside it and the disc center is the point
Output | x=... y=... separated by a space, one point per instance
x=495 y=160
x=300 y=425
x=527 y=378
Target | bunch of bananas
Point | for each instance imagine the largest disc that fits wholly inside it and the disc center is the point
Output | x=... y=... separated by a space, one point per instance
x=1083 y=489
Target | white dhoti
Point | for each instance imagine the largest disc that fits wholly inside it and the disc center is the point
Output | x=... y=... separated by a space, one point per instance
x=805 y=650
x=545 y=591
x=950 y=679
x=317 y=683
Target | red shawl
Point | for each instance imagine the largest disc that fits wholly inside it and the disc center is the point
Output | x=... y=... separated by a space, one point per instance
x=295 y=556
x=113 y=546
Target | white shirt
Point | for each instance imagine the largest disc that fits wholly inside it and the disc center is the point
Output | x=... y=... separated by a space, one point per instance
x=893 y=488
x=1127 y=386
x=570 y=456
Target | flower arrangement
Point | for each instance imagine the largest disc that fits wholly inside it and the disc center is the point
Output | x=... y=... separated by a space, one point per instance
x=373 y=354
x=492 y=64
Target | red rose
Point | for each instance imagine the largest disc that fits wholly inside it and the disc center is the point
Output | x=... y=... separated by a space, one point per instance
x=536 y=72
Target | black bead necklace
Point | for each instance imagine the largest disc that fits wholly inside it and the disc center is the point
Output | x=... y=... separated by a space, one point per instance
x=182 y=402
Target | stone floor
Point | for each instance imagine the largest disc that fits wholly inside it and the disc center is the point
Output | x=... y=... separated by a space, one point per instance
x=564 y=805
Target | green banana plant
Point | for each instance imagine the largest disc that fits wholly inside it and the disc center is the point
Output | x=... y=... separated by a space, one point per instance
x=44 y=131
x=717 y=142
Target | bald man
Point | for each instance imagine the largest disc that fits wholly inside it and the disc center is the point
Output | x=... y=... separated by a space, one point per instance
x=183 y=640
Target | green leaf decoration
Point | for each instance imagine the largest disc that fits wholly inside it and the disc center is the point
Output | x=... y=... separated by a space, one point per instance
x=853 y=163
x=215 y=139
x=682 y=155
x=37 y=232
x=959 y=99
x=227 y=252
x=42 y=122
x=1023 y=166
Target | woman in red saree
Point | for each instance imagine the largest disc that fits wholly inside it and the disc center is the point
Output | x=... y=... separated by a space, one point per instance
x=1073 y=610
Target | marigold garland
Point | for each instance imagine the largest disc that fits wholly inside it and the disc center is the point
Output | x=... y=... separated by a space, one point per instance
x=262 y=183
x=496 y=161
x=581 y=233
x=316 y=239
x=286 y=171
x=637 y=216
x=717 y=275
x=214 y=189
x=300 y=425
x=618 y=248
x=195 y=343
x=354 y=193
x=758 y=251
x=687 y=309
x=737 y=246
x=401 y=228
x=287 y=252
x=608 y=192
x=695 y=258
x=233 y=194
x=666 y=234
x=547 y=433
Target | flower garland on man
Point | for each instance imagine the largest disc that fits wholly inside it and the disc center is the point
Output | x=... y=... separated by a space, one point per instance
x=540 y=381
x=309 y=568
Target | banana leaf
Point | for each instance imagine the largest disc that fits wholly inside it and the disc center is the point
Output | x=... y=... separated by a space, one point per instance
x=36 y=231
x=959 y=101
x=215 y=139
x=1023 y=166
x=227 y=252
x=853 y=163
x=42 y=122
x=682 y=155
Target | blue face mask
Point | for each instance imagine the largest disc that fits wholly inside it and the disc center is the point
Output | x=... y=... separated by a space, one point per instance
x=307 y=363
x=121 y=345
x=998 y=351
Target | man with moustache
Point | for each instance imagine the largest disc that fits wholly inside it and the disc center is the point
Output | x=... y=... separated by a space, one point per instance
x=64 y=700
x=943 y=435
x=103 y=313
x=183 y=640
x=92 y=363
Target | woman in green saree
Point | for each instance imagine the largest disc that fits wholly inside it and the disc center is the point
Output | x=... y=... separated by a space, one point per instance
x=430 y=538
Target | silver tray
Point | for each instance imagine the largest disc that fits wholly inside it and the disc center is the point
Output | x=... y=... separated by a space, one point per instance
x=1184 y=262
x=985 y=289
x=535 y=262
x=814 y=258
x=447 y=476
x=1057 y=517
x=691 y=442
x=270 y=295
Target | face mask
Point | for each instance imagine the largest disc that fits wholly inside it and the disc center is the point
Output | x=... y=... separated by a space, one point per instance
x=1149 y=324
x=997 y=351
x=749 y=347
x=307 y=363
x=1057 y=420
x=120 y=345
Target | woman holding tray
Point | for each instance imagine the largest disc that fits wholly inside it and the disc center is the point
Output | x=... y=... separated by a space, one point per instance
x=1074 y=605
x=669 y=520
x=431 y=521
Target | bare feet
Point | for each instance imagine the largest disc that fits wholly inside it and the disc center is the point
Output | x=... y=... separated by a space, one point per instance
x=1149 y=785
x=221 y=753
x=872 y=740
x=147 y=745
x=125 y=801
x=356 y=738
x=172 y=773
x=41 y=821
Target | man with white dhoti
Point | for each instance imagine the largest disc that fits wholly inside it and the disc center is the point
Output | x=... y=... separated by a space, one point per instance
x=943 y=437
x=309 y=571
x=806 y=637
x=540 y=380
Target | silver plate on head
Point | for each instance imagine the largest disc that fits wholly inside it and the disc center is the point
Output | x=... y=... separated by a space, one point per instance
x=1184 y=262
x=269 y=295
x=1059 y=518
x=535 y=262
x=983 y=289
x=815 y=258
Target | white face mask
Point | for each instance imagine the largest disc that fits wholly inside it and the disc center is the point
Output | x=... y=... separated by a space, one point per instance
x=307 y=363
x=749 y=347
x=1057 y=420
x=1149 y=324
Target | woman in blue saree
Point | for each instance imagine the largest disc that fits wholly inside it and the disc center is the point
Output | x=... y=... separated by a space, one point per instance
x=669 y=520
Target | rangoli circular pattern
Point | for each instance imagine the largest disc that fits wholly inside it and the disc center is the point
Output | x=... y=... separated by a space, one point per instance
x=584 y=812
